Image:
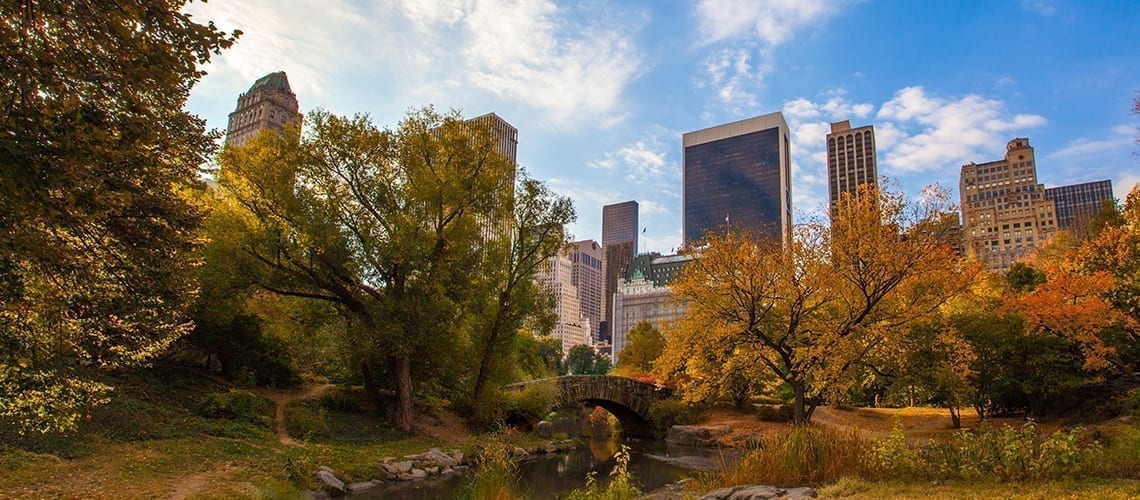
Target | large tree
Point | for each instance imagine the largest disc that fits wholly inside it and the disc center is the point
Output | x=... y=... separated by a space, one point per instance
x=813 y=309
x=96 y=236
x=397 y=229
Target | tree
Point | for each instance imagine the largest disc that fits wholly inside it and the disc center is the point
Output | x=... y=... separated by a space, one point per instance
x=812 y=309
x=96 y=233
x=510 y=295
x=644 y=345
x=583 y=360
x=1023 y=277
x=386 y=225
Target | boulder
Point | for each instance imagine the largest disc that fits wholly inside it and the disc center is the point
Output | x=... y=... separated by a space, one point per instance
x=403 y=467
x=550 y=448
x=440 y=458
x=330 y=483
x=432 y=471
x=692 y=435
x=759 y=492
x=518 y=452
x=418 y=474
x=387 y=471
x=457 y=455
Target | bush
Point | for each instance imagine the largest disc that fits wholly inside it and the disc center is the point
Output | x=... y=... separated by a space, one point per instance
x=1009 y=454
x=305 y=423
x=533 y=403
x=235 y=404
x=340 y=400
x=669 y=412
x=775 y=413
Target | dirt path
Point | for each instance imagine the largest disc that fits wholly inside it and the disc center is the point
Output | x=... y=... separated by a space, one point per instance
x=282 y=398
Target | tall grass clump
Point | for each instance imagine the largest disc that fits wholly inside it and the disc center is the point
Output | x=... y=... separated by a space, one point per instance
x=1120 y=458
x=621 y=486
x=806 y=456
x=496 y=475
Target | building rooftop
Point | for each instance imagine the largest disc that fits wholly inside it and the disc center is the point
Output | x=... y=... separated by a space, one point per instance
x=272 y=81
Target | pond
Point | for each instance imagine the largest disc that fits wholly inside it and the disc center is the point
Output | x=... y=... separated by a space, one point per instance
x=653 y=463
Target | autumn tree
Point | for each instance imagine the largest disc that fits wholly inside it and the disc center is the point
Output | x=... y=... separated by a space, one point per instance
x=644 y=344
x=811 y=309
x=96 y=233
x=583 y=360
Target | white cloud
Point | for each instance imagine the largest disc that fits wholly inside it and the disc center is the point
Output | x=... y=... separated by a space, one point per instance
x=944 y=133
x=569 y=66
x=915 y=133
x=1043 y=7
x=748 y=30
x=1119 y=137
x=773 y=21
x=528 y=49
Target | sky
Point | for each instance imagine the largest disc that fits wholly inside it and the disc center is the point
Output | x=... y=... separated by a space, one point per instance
x=602 y=90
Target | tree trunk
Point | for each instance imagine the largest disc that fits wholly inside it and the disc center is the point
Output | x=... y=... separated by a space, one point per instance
x=800 y=414
x=485 y=361
x=955 y=416
x=402 y=417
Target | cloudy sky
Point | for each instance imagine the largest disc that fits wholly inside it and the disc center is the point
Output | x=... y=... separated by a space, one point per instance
x=601 y=90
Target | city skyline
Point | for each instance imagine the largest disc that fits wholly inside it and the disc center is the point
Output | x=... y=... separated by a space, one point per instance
x=601 y=93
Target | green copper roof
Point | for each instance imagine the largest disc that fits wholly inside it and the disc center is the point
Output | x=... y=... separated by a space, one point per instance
x=272 y=81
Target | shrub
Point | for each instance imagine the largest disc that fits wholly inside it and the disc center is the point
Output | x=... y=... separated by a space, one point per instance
x=775 y=413
x=532 y=404
x=894 y=457
x=340 y=400
x=1009 y=454
x=669 y=412
x=496 y=475
x=235 y=404
x=304 y=422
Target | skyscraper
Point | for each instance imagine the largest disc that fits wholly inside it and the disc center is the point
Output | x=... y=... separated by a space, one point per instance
x=1005 y=213
x=619 y=246
x=1077 y=204
x=506 y=138
x=556 y=277
x=268 y=105
x=739 y=175
x=851 y=159
x=587 y=278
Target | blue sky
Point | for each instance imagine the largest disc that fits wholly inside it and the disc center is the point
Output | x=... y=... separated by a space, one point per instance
x=601 y=91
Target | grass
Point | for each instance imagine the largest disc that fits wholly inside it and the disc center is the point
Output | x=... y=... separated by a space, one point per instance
x=811 y=455
x=154 y=439
x=858 y=489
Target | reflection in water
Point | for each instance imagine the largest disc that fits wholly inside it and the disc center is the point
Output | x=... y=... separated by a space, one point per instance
x=554 y=475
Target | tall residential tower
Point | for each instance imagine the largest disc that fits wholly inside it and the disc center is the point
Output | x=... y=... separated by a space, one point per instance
x=850 y=159
x=1005 y=213
x=268 y=105
x=738 y=175
x=1078 y=204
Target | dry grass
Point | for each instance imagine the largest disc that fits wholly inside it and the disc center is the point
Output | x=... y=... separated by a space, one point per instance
x=811 y=455
x=1047 y=490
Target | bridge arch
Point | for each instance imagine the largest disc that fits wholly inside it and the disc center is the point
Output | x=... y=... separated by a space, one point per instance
x=626 y=399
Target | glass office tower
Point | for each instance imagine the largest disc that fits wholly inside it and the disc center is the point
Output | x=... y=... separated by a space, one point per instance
x=738 y=175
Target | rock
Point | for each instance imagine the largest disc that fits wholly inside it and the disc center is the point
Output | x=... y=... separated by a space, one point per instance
x=440 y=458
x=403 y=467
x=387 y=471
x=432 y=471
x=330 y=482
x=446 y=471
x=518 y=452
x=405 y=476
x=418 y=474
x=325 y=468
x=356 y=488
x=544 y=429
x=457 y=455
x=759 y=492
x=691 y=435
x=550 y=448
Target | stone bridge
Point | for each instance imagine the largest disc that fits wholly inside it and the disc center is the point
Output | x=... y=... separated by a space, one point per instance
x=627 y=399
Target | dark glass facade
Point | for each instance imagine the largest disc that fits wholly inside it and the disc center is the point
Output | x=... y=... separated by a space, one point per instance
x=734 y=182
x=1078 y=204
